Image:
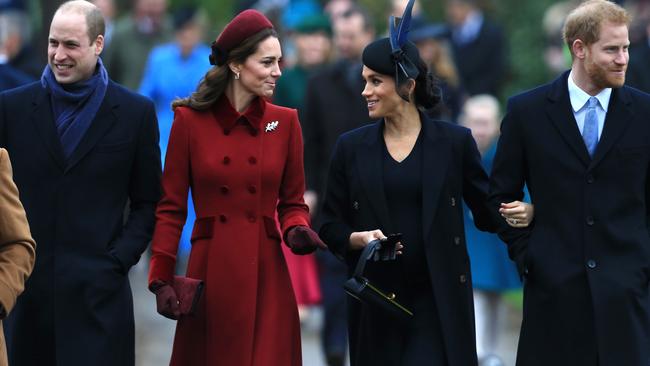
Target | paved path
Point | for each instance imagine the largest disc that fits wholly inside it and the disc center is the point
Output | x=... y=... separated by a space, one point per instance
x=155 y=334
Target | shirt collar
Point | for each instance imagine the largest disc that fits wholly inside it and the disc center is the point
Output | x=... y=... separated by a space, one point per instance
x=228 y=117
x=579 y=97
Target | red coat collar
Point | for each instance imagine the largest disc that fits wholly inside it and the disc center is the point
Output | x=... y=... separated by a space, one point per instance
x=228 y=117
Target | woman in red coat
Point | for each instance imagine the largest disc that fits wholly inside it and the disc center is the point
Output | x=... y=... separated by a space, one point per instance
x=242 y=158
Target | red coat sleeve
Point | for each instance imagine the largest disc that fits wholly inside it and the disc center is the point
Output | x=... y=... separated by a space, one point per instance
x=292 y=210
x=171 y=211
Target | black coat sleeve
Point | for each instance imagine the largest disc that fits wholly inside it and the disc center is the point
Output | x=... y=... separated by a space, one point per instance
x=335 y=229
x=507 y=182
x=475 y=187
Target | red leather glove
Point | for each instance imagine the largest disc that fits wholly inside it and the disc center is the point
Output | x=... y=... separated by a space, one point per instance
x=303 y=240
x=166 y=301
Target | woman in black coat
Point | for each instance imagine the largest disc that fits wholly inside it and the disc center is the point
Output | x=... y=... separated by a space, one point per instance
x=408 y=174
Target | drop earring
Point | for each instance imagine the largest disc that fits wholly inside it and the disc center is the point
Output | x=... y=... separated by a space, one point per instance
x=236 y=76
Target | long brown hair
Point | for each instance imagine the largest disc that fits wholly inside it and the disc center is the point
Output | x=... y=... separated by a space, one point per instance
x=215 y=81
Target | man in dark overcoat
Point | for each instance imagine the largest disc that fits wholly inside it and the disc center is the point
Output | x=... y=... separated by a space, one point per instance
x=334 y=105
x=82 y=147
x=638 y=73
x=473 y=37
x=582 y=145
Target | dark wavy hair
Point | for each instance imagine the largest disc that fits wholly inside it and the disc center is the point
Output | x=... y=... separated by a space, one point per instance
x=427 y=94
x=215 y=81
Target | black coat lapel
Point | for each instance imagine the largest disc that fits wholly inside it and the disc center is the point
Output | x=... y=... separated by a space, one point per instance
x=618 y=118
x=435 y=160
x=369 y=165
x=561 y=114
x=102 y=122
x=44 y=123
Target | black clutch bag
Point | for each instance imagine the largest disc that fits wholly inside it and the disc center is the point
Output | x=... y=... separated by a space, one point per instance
x=361 y=289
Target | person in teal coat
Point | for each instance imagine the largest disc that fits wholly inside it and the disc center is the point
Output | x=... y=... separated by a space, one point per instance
x=492 y=271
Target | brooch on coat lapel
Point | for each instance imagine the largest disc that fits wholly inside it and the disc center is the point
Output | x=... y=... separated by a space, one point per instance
x=271 y=126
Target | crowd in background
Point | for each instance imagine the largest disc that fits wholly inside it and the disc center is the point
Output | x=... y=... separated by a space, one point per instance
x=162 y=53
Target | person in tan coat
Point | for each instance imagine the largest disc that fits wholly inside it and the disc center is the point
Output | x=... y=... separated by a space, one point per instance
x=17 y=248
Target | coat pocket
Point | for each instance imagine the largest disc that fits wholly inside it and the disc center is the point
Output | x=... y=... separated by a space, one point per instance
x=201 y=246
x=203 y=228
x=271 y=228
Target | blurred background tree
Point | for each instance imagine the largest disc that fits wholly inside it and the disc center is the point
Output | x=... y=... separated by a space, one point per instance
x=521 y=21
x=219 y=13
x=522 y=24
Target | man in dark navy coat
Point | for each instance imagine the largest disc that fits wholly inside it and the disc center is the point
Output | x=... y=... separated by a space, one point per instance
x=334 y=105
x=82 y=147
x=582 y=145
x=473 y=37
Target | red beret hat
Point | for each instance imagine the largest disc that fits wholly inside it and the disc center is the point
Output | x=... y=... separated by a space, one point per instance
x=244 y=25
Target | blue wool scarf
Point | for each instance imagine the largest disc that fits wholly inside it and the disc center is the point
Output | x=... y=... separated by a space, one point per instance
x=75 y=105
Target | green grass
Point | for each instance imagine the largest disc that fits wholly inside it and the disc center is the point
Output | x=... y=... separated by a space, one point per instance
x=515 y=298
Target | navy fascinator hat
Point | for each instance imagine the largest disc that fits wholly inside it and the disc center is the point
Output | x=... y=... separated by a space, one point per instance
x=395 y=55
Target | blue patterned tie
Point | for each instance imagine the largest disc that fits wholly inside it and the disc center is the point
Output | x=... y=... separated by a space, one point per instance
x=590 y=130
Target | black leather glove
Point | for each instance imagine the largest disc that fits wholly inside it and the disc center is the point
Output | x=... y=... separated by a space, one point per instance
x=303 y=240
x=166 y=300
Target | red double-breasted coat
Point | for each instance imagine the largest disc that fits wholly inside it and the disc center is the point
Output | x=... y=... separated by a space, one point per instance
x=240 y=168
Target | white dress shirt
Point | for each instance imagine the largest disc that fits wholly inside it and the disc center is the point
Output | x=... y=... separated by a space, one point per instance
x=579 y=99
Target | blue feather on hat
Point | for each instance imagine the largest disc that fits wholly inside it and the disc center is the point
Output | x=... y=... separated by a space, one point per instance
x=398 y=34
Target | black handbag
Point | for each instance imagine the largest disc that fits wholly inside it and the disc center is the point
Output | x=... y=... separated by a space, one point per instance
x=360 y=288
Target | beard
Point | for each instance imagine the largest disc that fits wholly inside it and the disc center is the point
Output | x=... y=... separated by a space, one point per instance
x=602 y=78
